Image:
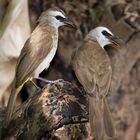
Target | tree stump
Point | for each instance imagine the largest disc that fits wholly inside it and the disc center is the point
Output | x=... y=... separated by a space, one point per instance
x=44 y=114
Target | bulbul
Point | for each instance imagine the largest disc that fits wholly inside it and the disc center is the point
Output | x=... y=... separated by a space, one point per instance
x=92 y=68
x=37 y=52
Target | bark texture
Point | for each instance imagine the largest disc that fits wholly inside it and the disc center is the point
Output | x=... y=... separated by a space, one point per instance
x=57 y=105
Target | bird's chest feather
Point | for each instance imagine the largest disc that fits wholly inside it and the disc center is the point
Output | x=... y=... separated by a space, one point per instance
x=46 y=62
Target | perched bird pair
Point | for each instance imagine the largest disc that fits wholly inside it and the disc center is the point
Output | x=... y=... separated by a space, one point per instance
x=90 y=63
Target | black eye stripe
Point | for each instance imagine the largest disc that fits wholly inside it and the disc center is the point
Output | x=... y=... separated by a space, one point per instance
x=59 y=17
x=105 y=33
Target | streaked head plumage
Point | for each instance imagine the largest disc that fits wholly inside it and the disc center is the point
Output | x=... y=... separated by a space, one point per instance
x=54 y=17
x=103 y=36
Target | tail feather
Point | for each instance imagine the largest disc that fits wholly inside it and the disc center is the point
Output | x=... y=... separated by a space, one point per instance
x=96 y=119
x=12 y=99
x=11 y=103
x=108 y=122
x=10 y=106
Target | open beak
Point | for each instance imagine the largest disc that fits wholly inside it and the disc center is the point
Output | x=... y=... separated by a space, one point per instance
x=69 y=23
x=115 y=40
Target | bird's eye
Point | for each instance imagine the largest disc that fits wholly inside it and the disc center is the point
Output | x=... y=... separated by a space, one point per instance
x=59 y=17
x=105 y=33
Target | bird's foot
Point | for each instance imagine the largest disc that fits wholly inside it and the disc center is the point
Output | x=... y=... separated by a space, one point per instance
x=27 y=106
x=36 y=86
x=38 y=89
x=49 y=81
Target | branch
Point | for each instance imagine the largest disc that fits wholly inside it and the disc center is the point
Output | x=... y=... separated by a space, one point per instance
x=56 y=105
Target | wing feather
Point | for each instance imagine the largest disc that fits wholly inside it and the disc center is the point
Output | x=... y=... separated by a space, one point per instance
x=32 y=54
x=92 y=68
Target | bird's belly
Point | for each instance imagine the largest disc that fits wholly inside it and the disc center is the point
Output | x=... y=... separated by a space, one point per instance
x=45 y=63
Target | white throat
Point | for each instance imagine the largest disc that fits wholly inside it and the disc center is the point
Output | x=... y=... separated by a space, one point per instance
x=97 y=35
x=100 y=39
x=103 y=42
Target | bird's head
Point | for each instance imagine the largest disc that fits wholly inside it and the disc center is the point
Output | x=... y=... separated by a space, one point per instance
x=55 y=17
x=104 y=36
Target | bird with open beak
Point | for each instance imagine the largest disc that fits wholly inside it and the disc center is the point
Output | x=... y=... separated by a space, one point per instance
x=92 y=68
x=37 y=52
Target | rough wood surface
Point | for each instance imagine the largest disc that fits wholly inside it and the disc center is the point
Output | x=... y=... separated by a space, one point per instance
x=57 y=105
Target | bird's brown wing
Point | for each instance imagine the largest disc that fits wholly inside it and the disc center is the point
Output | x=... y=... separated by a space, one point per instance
x=32 y=54
x=92 y=67
x=81 y=65
x=104 y=78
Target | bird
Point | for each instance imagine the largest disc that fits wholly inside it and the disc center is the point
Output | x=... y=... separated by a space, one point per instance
x=37 y=52
x=92 y=67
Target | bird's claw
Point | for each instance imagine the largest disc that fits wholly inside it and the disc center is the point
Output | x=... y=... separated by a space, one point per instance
x=49 y=81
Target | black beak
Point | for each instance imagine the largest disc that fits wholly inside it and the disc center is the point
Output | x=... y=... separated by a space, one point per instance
x=69 y=23
x=115 y=40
